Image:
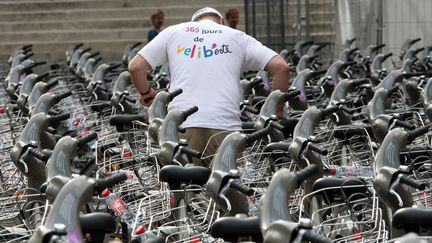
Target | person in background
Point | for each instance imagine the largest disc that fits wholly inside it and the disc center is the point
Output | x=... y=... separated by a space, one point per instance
x=157 y=20
x=232 y=17
x=206 y=59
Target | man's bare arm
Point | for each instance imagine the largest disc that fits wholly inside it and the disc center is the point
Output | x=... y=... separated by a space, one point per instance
x=138 y=69
x=280 y=70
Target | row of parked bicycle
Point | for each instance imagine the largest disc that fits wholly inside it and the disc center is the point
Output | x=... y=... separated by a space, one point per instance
x=80 y=160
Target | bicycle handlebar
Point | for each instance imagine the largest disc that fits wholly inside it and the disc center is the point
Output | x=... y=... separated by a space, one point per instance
x=61 y=117
x=26 y=56
x=387 y=56
x=409 y=75
x=291 y=94
x=129 y=99
x=35 y=64
x=346 y=64
x=255 y=82
x=94 y=54
x=321 y=46
x=242 y=189
x=27 y=46
x=350 y=41
x=62 y=96
x=86 y=50
x=358 y=82
x=102 y=184
x=84 y=140
x=52 y=83
x=190 y=111
x=310 y=236
x=411 y=42
x=318 y=73
x=314 y=57
x=353 y=50
x=99 y=87
x=313 y=90
x=114 y=66
x=347 y=110
x=403 y=124
x=329 y=111
x=136 y=44
x=392 y=90
x=257 y=135
x=418 y=132
x=248 y=125
x=97 y=60
x=251 y=109
x=405 y=179
x=307 y=43
x=37 y=154
x=305 y=173
x=42 y=76
x=174 y=94
x=376 y=48
x=277 y=125
x=416 y=51
x=76 y=46
x=191 y=152
x=318 y=149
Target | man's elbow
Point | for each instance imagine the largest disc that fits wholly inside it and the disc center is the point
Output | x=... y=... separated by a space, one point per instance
x=133 y=67
x=138 y=64
x=285 y=68
x=282 y=69
x=277 y=65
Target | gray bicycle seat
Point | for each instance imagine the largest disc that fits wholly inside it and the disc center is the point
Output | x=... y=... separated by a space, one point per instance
x=97 y=223
x=195 y=175
x=125 y=120
x=100 y=105
x=406 y=218
x=346 y=131
x=158 y=239
x=344 y=187
x=232 y=228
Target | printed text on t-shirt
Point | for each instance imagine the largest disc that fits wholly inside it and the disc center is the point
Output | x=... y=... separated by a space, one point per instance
x=203 y=31
x=203 y=51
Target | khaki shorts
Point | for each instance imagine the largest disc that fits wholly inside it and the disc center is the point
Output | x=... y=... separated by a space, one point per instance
x=204 y=140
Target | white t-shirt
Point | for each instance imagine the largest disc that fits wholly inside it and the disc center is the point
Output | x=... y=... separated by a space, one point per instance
x=206 y=60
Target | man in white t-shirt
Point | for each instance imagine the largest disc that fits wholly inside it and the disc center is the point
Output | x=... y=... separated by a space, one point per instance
x=206 y=59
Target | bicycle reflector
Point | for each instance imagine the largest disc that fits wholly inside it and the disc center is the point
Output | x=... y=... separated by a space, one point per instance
x=140 y=230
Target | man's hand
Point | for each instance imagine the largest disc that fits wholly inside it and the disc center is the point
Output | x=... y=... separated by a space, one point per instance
x=146 y=100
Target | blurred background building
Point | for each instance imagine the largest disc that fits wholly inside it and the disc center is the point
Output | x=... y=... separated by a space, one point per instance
x=109 y=25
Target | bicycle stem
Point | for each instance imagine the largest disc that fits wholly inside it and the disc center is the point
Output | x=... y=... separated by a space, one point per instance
x=299 y=83
x=45 y=103
x=38 y=90
x=74 y=195
x=170 y=125
x=28 y=165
